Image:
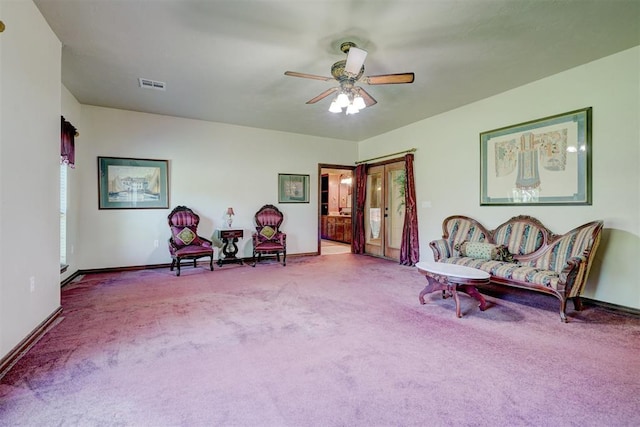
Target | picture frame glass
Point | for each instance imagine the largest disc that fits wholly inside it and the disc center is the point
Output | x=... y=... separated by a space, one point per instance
x=293 y=188
x=127 y=183
x=541 y=162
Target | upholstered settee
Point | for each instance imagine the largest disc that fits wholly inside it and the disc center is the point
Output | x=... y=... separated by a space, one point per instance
x=523 y=253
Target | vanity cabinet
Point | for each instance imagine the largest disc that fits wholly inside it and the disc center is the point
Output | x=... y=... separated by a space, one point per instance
x=323 y=226
x=336 y=227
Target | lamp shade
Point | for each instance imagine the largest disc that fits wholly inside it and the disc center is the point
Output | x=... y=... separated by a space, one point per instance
x=342 y=100
x=334 y=107
x=230 y=211
x=355 y=60
x=358 y=102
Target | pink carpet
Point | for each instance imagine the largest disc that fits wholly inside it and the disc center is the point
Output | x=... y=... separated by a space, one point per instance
x=335 y=340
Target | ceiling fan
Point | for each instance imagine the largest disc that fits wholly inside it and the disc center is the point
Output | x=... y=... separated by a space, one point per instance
x=349 y=73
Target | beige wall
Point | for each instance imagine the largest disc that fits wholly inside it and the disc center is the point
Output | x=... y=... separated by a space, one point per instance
x=29 y=165
x=212 y=166
x=447 y=164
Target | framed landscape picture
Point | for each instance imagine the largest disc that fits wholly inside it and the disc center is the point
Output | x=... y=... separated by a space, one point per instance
x=293 y=188
x=125 y=183
x=541 y=162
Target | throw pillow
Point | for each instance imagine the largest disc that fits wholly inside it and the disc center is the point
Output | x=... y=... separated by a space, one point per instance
x=487 y=251
x=267 y=232
x=479 y=250
x=184 y=236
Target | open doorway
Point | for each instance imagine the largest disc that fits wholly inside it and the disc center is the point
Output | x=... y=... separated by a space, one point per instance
x=335 y=208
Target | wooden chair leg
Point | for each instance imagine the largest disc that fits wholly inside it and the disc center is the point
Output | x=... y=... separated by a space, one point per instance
x=577 y=304
x=563 y=310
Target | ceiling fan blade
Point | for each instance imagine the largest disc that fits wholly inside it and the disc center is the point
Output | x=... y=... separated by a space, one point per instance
x=307 y=76
x=368 y=99
x=355 y=60
x=322 y=95
x=385 y=79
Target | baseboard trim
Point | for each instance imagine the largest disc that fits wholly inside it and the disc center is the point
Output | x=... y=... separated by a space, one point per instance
x=23 y=346
x=610 y=306
x=129 y=268
x=154 y=266
x=70 y=278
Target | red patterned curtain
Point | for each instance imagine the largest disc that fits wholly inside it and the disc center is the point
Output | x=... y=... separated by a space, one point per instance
x=410 y=247
x=361 y=193
x=67 y=143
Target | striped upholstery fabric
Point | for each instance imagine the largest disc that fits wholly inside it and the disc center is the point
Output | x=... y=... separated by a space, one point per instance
x=461 y=229
x=442 y=248
x=518 y=273
x=572 y=244
x=184 y=219
x=184 y=242
x=544 y=270
x=520 y=238
x=274 y=242
x=181 y=221
x=269 y=217
x=541 y=260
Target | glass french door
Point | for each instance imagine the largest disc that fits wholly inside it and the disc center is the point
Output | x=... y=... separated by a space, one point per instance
x=384 y=210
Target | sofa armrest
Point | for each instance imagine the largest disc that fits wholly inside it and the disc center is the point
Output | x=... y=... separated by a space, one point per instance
x=573 y=273
x=441 y=249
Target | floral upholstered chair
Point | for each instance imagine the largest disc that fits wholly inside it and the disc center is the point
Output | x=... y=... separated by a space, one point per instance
x=268 y=239
x=184 y=242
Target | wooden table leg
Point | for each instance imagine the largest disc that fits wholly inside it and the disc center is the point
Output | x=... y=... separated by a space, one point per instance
x=459 y=280
x=472 y=291
x=454 y=292
x=433 y=285
x=229 y=249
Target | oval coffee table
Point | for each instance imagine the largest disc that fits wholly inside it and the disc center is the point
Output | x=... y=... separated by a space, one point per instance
x=451 y=278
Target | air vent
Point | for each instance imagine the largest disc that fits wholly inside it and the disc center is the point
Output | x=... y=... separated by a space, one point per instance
x=151 y=84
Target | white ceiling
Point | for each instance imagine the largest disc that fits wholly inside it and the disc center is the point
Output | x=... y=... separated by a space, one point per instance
x=224 y=60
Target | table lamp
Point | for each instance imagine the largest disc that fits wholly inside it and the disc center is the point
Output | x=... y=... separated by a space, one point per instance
x=230 y=215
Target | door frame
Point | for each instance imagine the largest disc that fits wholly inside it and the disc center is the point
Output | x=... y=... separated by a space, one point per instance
x=384 y=229
x=319 y=224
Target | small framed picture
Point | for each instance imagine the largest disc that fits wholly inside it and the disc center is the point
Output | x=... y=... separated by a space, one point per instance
x=293 y=188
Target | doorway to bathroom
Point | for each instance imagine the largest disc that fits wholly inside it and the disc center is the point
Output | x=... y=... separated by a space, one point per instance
x=335 y=227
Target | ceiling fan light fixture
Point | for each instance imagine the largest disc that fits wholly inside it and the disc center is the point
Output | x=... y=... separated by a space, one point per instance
x=334 y=107
x=355 y=60
x=352 y=109
x=358 y=102
x=349 y=73
x=342 y=100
